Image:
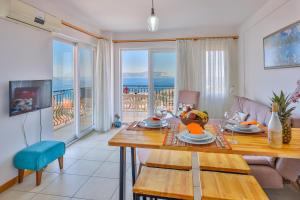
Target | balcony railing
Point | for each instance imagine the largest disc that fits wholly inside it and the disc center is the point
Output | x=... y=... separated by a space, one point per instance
x=63 y=106
x=135 y=98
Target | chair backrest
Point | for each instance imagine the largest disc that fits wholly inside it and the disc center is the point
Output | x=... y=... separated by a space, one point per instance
x=189 y=97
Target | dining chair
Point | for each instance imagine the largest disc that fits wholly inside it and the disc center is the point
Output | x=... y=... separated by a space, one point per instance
x=189 y=98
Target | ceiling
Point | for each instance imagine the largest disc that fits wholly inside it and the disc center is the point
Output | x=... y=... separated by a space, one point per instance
x=131 y=15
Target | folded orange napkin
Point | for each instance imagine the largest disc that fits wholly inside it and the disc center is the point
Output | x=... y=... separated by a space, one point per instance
x=195 y=128
x=249 y=123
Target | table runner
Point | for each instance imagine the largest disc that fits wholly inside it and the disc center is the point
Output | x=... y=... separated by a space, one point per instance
x=171 y=139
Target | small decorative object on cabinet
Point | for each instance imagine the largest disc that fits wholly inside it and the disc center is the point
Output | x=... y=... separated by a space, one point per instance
x=117 y=121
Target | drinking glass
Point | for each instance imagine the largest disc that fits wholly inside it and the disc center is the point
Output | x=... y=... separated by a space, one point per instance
x=174 y=126
x=227 y=116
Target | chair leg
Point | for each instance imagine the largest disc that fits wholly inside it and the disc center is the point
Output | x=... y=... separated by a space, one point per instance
x=20 y=175
x=61 y=162
x=38 y=177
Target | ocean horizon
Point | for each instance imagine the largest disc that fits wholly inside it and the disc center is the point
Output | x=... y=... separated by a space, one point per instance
x=130 y=82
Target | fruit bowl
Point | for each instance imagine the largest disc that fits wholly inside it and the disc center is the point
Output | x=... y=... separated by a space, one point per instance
x=194 y=116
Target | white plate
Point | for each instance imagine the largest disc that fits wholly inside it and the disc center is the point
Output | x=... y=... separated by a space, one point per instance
x=184 y=139
x=241 y=128
x=154 y=123
x=206 y=135
x=253 y=129
x=146 y=125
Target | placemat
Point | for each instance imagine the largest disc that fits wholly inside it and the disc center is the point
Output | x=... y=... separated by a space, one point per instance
x=134 y=126
x=171 y=140
x=216 y=122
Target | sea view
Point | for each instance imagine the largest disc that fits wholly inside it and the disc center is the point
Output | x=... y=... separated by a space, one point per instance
x=130 y=82
x=160 y=82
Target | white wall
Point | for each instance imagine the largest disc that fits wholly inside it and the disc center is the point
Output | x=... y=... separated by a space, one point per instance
x=255 y=82
x=25 y=54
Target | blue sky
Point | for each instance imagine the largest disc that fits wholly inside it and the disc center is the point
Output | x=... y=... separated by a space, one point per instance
x=135 y=61
x=63 y=61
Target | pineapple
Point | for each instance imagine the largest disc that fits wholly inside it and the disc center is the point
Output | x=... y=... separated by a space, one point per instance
x=284 y=113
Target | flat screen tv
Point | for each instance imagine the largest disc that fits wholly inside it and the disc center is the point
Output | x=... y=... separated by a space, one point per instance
x=28 y=96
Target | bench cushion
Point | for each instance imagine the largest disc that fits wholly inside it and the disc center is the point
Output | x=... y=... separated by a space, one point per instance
x=260 y=160
x=39 y=155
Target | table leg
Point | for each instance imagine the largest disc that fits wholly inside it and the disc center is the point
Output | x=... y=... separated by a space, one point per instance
x=133 y=168
x=122 y=178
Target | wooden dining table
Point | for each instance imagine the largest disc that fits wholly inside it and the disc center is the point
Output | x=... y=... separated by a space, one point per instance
x=247 y=144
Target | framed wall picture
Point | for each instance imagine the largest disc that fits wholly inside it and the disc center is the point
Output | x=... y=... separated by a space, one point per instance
x=282 y=48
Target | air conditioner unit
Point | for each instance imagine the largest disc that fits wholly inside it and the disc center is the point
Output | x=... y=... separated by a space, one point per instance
x=22 y=12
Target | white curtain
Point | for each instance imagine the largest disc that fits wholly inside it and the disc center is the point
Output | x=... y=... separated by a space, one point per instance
x=207 y=66
x=103 y=87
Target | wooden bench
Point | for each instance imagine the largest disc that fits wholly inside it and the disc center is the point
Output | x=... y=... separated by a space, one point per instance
x=164 y=183
x=182 y=160
x=226 y=186
x=37 y=156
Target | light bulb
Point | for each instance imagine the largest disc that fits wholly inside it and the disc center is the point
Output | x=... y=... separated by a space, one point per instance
x=153 y=23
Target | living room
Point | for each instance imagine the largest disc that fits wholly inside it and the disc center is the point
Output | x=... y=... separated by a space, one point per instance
x=105 y=66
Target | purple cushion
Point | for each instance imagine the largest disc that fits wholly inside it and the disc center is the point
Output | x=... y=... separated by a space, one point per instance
x=256 y=110
x=267 y=176
x=260 y=160
x=289 y=168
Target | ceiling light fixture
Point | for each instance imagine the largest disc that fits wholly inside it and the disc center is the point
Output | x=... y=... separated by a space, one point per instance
x=153 y=20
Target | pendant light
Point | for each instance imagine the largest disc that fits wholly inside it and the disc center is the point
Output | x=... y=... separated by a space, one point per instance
x=153 y=20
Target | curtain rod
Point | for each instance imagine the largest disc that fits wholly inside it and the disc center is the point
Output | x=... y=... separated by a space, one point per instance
x=235 y=37
x=77 y=28
x=82 y=30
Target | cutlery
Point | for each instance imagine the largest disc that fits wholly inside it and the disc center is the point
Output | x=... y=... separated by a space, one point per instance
x=137 y=123
x=220 y=140
x=218 y=143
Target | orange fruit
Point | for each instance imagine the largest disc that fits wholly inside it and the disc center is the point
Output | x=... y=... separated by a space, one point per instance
x=195 y=128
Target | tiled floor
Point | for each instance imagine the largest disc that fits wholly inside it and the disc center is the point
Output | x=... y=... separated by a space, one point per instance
x=91 y=171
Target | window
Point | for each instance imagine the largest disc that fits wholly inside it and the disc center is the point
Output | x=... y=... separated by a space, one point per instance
x=215 y=72
x=148 y=81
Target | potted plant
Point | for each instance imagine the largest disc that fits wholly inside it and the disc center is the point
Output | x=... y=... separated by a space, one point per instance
x=284 y=113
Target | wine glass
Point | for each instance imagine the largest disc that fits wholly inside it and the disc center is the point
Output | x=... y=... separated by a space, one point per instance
x=227 y=116
x=161 y=112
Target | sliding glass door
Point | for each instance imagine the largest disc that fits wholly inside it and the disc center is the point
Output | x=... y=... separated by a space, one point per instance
x=72 y=93
x=63 y=91
x=163 y=70
x=86 y=71
x=148 y=82
x=135 y=85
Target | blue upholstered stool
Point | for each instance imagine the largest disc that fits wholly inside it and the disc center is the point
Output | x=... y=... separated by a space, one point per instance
x=37 y=156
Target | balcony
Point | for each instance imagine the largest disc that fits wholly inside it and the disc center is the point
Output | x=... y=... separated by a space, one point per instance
x=135 y=101
x=63 y=112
